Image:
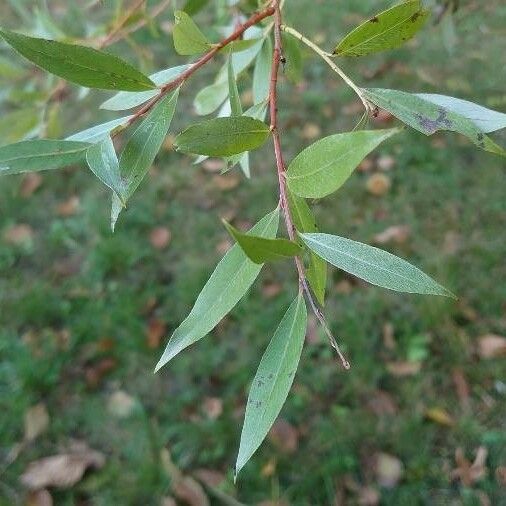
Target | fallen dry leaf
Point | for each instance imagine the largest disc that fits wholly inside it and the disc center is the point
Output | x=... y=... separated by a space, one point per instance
x=271 y=289
x=69 y=207
x=214 y=165
x=491 y=346
x=500 y=475
x=284 y=436
x=212 y=407
x=401 y=369
x=96 y=372
x=389 y=336
x=311 y=131
x=378 y=184
x=269 y=469
x=39 y=498
x=226 y=182
x=19 y=235
x=439 y=416
x=452 y=242
x=155 y=332
x=381 y=403
x=368 y=496
x=36 y=421
x=120 y=404
x=366 y=165
x=168 y=501
x=462 y=387
x=61 y=471
x=388 y=469
x=190 y=491
x=397 y=234
x=468 y=473
x=209 y=477
x=386 y=162
x=160 y=237
x=31 y=182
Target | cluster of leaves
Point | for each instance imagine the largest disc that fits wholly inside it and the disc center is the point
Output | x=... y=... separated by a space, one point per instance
x=316 y=172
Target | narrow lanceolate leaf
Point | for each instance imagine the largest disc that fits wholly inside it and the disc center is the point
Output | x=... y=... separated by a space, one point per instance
x=98 y=132
x=324 y=166
x=223 y=136
x=79 y=64
x=208 y=99
x=103 y=162
x=188 y=39
x=36 y=155
x=485 y=119
x=387 y=30
x=273 y=380
x=229 y=282
x=304 y=221
x=262 y=72
x=372 y=264
x=261 y=250
x=142 y=148
x=125 y=100
x=233 y=92
x=428 y=117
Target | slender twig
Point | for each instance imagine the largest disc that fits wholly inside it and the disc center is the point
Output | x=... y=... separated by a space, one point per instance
x=326 y=57
x=121 y=23
x=280 y=164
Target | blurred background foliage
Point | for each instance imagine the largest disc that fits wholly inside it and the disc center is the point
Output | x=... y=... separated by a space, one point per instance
x=84 y=314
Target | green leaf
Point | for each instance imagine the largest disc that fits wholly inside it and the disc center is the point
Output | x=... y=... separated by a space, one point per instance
x=428 y=118
x=237 y=46
x=208 y=99
x=324 y=166
x=233 y=92
x=103 y=162
x=188 y=39
x=98 y=132
x=293 y=57
x=223 y=136
x=262 y=72
x=261 y=250
x=192 y=7
x=304 y=221
x=273 y=380
x=227 y=285
x=79 y=64
x=372 y=264
x=125 y=100
x=19 y=125
x=387 y=30
x=36 y=155
x=485 y=119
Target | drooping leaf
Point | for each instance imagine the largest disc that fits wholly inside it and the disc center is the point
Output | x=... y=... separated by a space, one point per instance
x=99 y=132
x=79 y=64
x=103 y=162
x=188 y=39
x=387 y=30
x=487 y=120
x=233 y=92
x=273 y=380
x=38 y=154
x=262 y=72
x=208 y=99
x=229 y=282
x=260 y=249
x=142 y=148
x=223 y=136
x=304 y=221
x=427 y=117
x=324 y=166
x=125 y=100
x=372 y=264
x=293 y=57
x=19 y=125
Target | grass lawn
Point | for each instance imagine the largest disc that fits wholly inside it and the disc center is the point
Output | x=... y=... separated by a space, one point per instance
x=84 y=314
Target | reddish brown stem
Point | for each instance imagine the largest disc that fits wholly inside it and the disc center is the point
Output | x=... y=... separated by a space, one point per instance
x=252 y=21
x=280 y=164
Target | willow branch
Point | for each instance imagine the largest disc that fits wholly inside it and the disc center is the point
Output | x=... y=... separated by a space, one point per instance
x=281 y=168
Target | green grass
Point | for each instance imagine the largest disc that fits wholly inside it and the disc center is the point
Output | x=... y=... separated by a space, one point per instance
x=75 y=276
